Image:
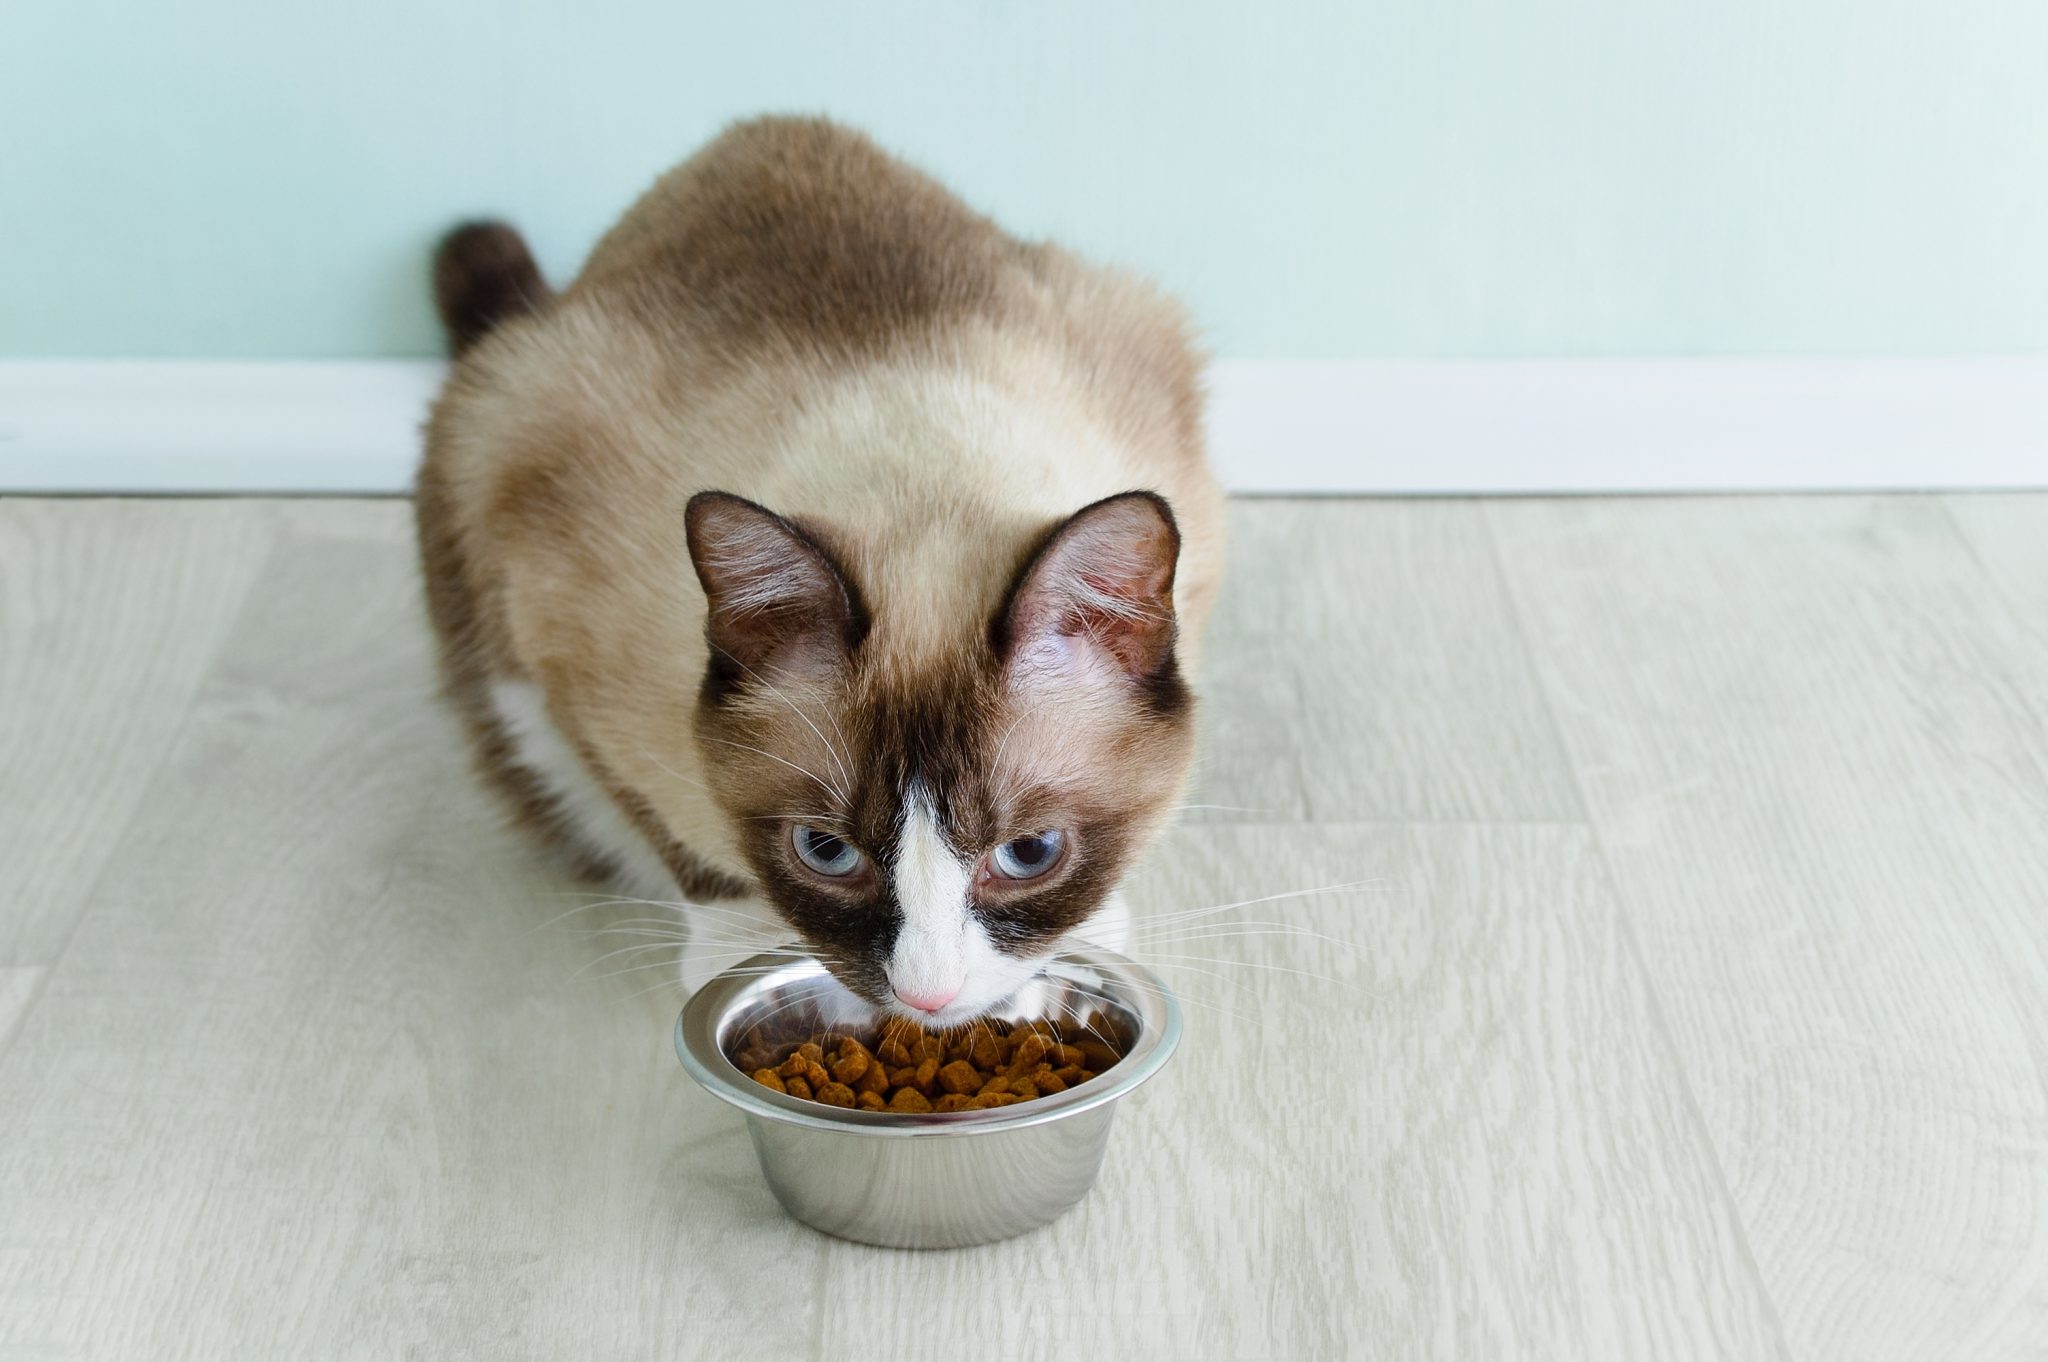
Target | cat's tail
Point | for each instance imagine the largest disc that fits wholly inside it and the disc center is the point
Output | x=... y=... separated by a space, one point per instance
x=484 y=275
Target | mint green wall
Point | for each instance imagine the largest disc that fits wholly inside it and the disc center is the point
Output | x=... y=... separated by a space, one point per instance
x=1321 y=177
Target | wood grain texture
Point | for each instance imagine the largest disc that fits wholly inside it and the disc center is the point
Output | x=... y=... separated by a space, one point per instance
x=1743 y=1056
x=312 y=1084
x=1357 y=672
x=1466 y=1142
x=18 y=987
x=2008 y=531
x=1822 y=791
x=108 y=619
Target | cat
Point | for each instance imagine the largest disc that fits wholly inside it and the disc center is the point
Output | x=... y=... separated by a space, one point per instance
x=826 y=550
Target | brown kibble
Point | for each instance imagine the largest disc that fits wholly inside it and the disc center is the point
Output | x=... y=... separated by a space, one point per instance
x=800 y=1065
x=961 y=1077
x=992 y=1099
x=1096 y=1055
x=875 y=1079
x=989 y=1063
x=1030 y=1051
x=899 y=1042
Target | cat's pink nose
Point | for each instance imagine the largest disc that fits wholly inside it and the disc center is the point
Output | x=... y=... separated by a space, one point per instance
x=928 y=1002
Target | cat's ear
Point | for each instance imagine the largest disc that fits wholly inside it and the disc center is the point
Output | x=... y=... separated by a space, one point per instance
x=777 y=600
x=1097 y=596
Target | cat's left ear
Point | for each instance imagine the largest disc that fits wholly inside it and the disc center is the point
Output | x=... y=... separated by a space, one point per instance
x=1097 y=596
x=776 y=600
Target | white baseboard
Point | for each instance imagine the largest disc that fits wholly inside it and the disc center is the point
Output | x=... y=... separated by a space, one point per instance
x=1363 y=426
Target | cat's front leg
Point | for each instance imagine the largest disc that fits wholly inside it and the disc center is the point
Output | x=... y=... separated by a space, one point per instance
x=724 y=934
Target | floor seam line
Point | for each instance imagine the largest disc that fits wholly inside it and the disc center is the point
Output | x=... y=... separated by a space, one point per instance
x=156 y=773
x=1625 y=931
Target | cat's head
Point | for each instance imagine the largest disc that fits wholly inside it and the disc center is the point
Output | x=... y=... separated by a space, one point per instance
x=935 y=827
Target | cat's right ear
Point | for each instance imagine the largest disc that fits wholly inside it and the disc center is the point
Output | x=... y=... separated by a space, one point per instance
x=777 y=600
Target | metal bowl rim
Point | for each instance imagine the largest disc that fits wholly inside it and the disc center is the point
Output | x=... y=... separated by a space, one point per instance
x=697 y=1046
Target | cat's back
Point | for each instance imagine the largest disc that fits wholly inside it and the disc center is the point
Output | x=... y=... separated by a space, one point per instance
x=798 y=317
x=798 y=233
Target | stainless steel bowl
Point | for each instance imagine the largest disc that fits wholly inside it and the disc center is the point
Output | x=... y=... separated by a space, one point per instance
x=942 y=1180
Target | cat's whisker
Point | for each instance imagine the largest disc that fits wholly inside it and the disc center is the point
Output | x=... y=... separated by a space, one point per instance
x=1281 y=930
x=823 y=783
x=584 y=972
x=845 y=771
x=591 y=905
x=995 y=763
x=782 y=1009
x=682 y=924
x=671 y=964
x=687 y=780
x=651 y=939
x=1154 y=958
x=1185 y=915
x=680 y=906
x=730 y=919
x=1185 y=1000
x=1240 y=927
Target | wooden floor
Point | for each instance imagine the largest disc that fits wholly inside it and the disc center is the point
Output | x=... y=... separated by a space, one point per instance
x=1699 y=1008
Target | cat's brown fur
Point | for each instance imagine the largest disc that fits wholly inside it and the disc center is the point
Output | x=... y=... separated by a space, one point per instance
x=797 y=319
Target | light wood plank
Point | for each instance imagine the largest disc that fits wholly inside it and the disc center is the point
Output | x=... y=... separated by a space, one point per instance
x=1356 y=669
x=310 y=1082
x=18 y=985
x=1824 y=799
x=110 y=612
x=1469 y=1143
x=2008 y=531
x=313 y=1076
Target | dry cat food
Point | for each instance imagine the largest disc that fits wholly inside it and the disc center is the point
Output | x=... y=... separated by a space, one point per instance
x=902 y=1067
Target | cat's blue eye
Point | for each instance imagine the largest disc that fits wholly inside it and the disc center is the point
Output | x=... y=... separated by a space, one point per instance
x=830 y=856
x=1027 y=858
